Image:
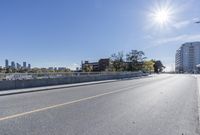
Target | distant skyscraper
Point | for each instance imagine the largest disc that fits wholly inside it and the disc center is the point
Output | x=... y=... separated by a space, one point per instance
x=51 y=68
x=12 y=64
x=18 y=66
x=24 y=64
x=6 y=63
x=29 y=66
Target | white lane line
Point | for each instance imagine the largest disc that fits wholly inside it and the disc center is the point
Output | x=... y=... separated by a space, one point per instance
x=62 y=104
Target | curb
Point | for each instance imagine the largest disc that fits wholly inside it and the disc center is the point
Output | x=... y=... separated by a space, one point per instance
x=198 y=99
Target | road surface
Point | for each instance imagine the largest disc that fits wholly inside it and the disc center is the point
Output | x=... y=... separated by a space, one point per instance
x=157 y=105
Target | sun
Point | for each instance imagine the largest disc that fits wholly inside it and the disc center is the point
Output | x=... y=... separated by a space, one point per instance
x=162 y=16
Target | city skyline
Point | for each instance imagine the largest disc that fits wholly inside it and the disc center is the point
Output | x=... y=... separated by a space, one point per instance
x=24 y=64
x=17 y=65
x=66 y=32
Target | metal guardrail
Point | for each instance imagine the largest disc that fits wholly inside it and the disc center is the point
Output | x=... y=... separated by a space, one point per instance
x=28 y=76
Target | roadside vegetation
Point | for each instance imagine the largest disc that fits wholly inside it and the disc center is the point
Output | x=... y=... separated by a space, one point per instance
x=134 y=61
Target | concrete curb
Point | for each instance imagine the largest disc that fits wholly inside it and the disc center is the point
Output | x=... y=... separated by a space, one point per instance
x=46 y=88
x=198 y=94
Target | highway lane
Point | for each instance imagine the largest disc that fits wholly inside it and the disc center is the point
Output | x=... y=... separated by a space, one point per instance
x=163 y=104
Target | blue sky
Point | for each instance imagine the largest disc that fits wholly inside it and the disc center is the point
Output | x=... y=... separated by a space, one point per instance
x=63 y=32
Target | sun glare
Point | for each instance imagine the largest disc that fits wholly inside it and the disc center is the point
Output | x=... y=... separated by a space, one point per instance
x=162 y=16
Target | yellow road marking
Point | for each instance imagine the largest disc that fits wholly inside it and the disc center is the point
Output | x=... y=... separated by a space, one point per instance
x=62 y=104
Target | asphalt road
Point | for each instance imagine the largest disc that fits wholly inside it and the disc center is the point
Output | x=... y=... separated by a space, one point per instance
x=158 y=105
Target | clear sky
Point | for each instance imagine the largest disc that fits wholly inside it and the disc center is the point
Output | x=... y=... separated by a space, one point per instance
x=63 y=32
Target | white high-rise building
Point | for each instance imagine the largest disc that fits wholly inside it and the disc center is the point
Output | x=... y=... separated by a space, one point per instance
x=188 y=57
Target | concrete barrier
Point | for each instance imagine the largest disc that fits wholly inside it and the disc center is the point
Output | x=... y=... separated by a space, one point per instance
x=19 y=84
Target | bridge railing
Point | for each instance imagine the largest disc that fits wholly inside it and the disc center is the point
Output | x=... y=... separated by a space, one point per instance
x=29 y=76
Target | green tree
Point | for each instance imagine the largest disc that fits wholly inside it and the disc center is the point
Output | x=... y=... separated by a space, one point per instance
x=135 y=60
x=158 y=66
x=87 y=68
x=117 y=61
x=148 y=66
